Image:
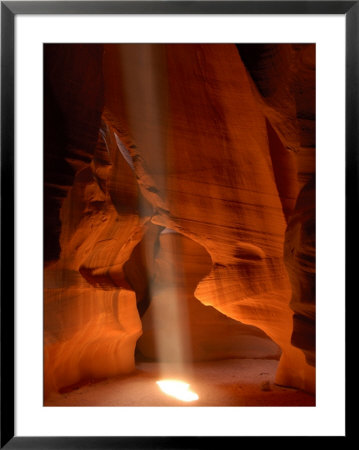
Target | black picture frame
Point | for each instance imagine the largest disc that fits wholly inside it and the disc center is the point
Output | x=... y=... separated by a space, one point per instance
x=9 y=10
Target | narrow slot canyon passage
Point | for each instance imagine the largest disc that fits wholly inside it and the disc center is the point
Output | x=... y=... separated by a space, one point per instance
x=179 y=225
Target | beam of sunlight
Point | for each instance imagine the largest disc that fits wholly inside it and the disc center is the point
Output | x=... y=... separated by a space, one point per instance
x=177 y=389
x=145 y=98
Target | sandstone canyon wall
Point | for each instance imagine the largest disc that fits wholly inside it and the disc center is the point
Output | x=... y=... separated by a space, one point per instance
x=179 y=188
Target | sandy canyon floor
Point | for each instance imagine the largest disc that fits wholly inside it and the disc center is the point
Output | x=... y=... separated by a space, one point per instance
x=232 y=382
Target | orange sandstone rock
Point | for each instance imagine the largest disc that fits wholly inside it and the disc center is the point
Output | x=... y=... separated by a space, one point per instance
x=186 y=166
x=179 y=328
x=219 y=186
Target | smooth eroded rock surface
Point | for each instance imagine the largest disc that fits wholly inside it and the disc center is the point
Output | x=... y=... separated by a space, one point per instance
x=179 y=207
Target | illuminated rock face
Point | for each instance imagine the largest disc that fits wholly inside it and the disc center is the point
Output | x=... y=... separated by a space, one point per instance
x=285 y=77
x=175 y=316
x=91 y=318
x=189 y=190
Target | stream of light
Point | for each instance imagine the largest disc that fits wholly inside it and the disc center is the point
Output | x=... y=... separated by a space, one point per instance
x=146 y=101
x=177 y=389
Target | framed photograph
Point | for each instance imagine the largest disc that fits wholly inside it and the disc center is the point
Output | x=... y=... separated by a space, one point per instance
x=177 y=181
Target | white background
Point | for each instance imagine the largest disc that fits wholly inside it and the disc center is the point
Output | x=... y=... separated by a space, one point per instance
x=327 y=418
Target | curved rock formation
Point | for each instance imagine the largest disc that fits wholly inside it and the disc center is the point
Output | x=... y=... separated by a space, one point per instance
x=177 y=327
x=91 y=319
x=190 y=191
x=285 y=77
x=220 y=150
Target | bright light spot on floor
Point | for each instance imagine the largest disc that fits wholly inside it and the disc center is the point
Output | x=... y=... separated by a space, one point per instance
x=177 y=389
